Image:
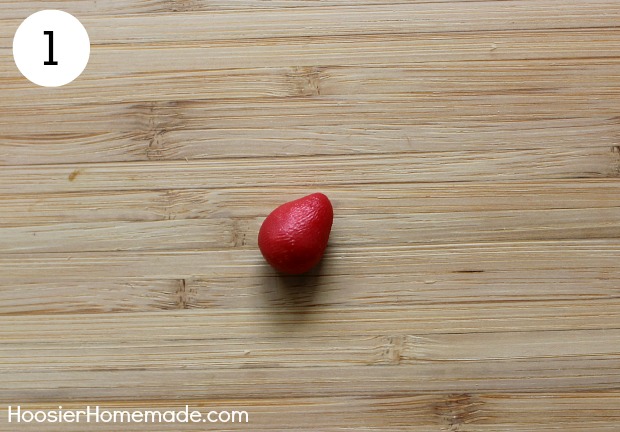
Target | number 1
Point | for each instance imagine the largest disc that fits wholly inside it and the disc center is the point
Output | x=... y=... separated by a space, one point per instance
x=51 y=61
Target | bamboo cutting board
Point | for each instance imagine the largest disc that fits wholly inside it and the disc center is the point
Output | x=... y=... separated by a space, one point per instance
x=471 y=150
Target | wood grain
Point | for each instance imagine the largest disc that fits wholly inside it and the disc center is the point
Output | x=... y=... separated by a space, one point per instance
x=471 y=150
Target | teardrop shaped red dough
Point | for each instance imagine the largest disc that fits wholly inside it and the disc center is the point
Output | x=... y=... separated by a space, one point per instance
x=294 y=236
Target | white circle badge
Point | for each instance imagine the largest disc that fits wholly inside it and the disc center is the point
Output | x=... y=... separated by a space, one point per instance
x=51 y=48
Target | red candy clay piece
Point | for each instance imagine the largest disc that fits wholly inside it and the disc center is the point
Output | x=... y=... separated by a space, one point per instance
x=294 y=236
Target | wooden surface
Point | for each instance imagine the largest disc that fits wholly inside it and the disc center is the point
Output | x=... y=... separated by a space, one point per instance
x=470 y=149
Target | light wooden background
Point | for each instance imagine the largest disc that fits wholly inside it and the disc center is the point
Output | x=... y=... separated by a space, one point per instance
x=470 y=149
